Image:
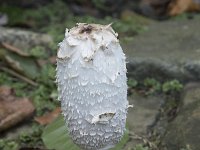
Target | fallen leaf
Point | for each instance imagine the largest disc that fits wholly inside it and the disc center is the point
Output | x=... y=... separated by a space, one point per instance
x=13 y=110
x=180 y=6
x=158 y=8
x=48 y=118
x=24 y=65
x=6 y=93
x=17 y=48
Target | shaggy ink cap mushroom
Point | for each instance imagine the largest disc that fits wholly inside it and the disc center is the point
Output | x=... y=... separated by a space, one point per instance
x=91 y=78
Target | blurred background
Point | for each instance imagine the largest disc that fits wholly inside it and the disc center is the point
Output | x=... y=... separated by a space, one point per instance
x=161 y=40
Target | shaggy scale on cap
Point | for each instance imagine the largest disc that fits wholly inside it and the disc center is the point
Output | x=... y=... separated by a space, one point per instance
x=91 y=77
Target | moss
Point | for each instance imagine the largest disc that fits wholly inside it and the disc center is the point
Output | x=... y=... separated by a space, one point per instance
x=8 y=145
x=172 y=86
x=132 y=83
x=33 y=138
x=151 y=86
x=38 y=52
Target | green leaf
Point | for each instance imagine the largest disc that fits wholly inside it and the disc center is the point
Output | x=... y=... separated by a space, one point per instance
x=55 y=136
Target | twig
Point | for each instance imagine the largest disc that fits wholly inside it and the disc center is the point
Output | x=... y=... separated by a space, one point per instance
x=19 y=76
x=144 y=140
x=14 y=49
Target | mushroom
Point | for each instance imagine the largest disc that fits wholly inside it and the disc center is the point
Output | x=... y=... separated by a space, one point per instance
x=92 y=85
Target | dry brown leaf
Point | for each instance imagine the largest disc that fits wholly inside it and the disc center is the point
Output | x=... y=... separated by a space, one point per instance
x=49 y=117
x=195 y=6
x=6 y=93
x=180 y=6
x=13 y=110
x=168 y=7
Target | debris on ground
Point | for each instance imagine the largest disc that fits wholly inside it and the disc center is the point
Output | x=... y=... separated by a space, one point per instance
x=161 y=9
x=49 y=117
x=13 y=110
